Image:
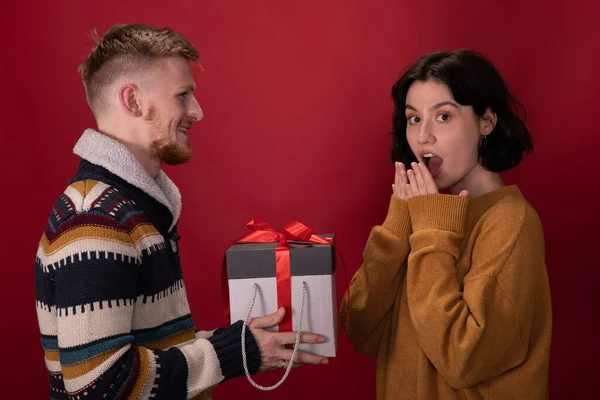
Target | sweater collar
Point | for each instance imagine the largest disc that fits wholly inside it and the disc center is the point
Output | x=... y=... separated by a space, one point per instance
x=108 y=153
x=479 y=205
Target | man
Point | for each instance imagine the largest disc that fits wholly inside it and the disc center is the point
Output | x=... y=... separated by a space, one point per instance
x=111 y=300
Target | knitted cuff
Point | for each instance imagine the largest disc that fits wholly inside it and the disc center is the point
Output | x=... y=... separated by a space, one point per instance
x=228 y=346
x=438 y=211
x=397 y=220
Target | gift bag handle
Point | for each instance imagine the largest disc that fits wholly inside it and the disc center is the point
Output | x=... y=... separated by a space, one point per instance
x=298 y=333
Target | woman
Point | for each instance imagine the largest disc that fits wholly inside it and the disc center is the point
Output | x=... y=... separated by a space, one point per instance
x=453 y=295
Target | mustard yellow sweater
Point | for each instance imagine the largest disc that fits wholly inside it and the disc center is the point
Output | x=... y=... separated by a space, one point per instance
x=453 y=299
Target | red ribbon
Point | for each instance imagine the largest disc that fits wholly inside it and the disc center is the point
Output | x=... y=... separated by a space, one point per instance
x=293 y=231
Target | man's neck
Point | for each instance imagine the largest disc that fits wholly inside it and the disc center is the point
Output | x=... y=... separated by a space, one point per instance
x=150 y=163
x=145 y=157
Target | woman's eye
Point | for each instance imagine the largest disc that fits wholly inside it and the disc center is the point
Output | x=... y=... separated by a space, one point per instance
x=443 y=117
x=414 y=120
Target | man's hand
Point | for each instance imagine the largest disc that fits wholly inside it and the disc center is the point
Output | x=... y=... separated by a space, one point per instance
x=273 y=354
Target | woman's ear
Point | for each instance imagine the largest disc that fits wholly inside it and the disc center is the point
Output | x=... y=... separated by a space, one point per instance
x=487 y=122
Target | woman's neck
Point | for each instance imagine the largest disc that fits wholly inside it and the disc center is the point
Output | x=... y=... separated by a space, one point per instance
x=478 y=182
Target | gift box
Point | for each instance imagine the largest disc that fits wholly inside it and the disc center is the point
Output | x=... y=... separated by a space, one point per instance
x=282 y=268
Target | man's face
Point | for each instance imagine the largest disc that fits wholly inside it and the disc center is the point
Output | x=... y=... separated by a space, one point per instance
x=172 y=108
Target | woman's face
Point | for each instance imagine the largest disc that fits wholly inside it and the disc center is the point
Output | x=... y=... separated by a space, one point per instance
x=444 y=134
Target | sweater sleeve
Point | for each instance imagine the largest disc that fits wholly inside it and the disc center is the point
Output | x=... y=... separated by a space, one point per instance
x=95 y=291
x=476 y=329
x=375 y=285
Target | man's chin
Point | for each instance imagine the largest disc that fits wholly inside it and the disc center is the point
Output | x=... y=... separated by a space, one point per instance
x=178 y=161
x=174 y=154
x=179 y=157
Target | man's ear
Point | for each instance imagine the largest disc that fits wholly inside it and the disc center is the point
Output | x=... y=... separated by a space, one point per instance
x=129 y=99
x=487 y=122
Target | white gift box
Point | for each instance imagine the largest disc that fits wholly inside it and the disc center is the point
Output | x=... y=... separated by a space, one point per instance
x=314 y=264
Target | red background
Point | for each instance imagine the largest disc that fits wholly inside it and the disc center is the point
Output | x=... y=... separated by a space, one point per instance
x=296 y=97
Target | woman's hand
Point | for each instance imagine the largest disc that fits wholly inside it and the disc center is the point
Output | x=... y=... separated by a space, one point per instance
x=400 y=181
x=416 y=181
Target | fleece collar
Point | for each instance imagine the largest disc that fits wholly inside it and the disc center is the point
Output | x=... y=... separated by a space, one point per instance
x=108 y=153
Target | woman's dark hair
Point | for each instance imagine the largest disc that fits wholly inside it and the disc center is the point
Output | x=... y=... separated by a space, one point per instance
x=473 y=81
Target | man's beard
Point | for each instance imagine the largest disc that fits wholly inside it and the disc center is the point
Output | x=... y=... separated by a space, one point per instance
x=164 y=148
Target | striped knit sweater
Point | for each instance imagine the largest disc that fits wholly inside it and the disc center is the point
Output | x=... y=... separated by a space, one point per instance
x=111 y=302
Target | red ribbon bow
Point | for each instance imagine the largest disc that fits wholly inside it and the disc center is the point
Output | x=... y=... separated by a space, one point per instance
x=293 y=231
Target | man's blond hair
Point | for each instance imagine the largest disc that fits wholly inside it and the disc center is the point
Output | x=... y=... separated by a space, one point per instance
x=128 y=48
